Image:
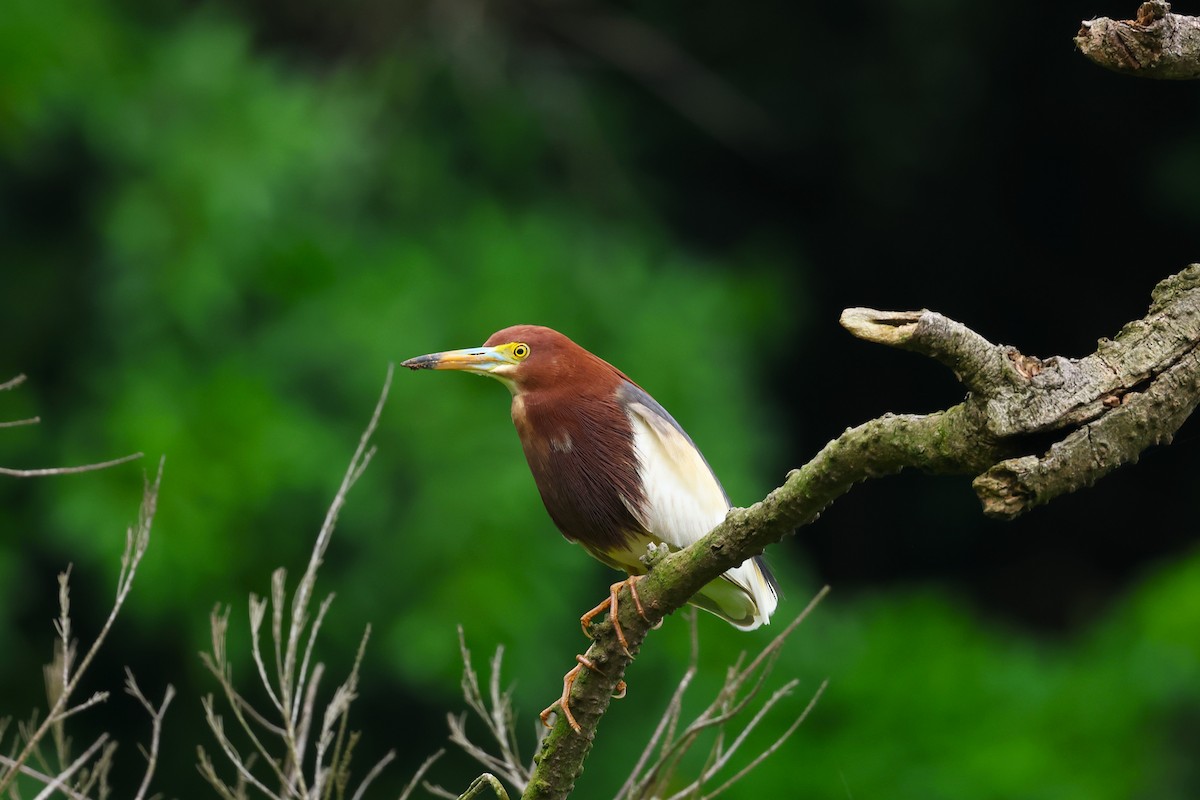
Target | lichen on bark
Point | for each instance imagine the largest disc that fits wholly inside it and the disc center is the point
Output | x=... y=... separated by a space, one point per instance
x=1155 y=44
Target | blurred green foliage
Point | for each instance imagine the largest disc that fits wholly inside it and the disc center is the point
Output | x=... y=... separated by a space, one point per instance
x=212 y=253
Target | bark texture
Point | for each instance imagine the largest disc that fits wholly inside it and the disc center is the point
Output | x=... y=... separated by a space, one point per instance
x=1029 y=430
x=1157 y=44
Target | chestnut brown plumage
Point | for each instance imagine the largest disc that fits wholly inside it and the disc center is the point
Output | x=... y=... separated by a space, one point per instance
x=616 y=472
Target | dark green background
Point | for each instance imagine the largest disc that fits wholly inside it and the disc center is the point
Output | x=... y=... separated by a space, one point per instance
x=220 y=222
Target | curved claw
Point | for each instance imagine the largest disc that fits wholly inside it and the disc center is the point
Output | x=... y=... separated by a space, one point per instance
x=564 y=702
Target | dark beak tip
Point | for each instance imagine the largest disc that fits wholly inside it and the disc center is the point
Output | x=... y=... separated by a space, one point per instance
x=420 y=362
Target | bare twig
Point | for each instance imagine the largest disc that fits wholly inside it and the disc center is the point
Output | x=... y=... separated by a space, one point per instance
x=12 y=383
x=218 y=665
x=41 y=777
x=64 y=676
x=156 y=719
x=741 y=686
x=648 y=782
x=41 y=473
x=336 y=714
x=774 y=745
x=420 y=773
x=292 y=736
x=240 y=764
x=208 y=770
x=665 y=730
x=59 y=780
x=483 y=782
x=497 y=716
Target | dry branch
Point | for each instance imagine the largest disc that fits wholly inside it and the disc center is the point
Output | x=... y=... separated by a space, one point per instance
x=63 y=675
x=652 y=779
x=1029 y=430
x=1157 y=44
x=496 y=713
x=11 y=472
x=292 y=735
x=48 y=471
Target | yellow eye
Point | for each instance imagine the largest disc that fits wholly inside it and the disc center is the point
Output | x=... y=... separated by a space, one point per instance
x=520 y=351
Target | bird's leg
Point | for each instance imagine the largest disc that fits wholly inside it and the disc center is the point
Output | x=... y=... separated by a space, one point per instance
x=585 y=622
x=564 y=702
x=610 y=605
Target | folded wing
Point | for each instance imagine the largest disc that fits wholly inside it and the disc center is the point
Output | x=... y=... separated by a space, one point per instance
x=684 y=501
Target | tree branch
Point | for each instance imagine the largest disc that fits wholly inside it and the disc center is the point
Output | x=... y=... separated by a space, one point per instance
x=1030 y=429
x=13 y=383
x=1158 y=44
x=41 y=473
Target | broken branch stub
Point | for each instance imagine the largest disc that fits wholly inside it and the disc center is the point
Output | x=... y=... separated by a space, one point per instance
x=1157 y=44
x=1135 y=391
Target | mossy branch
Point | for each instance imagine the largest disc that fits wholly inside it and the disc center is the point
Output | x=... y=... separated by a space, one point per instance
x=1029 y=430
x=1156 y=44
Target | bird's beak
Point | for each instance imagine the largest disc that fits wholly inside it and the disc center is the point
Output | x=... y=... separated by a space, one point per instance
x=480 y=360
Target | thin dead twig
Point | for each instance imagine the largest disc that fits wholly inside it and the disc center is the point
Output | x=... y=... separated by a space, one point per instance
x=41 y=473
x=59 y=780
x=291 y=732
x=420 y=773
x=63 y=677
x=156 y=719
x=497 y=716
x=730 y=701
x=12 y=383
